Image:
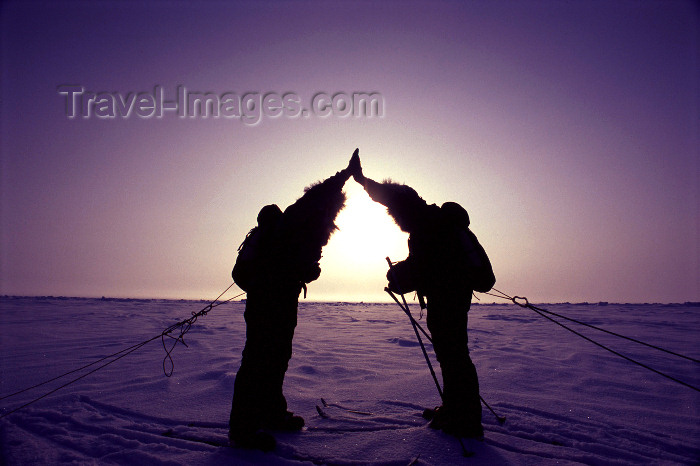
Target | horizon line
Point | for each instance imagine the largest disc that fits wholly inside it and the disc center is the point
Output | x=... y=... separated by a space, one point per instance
x=494 y=303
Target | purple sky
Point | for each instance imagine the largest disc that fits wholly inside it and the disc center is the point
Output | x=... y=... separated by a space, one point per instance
x=569 y=130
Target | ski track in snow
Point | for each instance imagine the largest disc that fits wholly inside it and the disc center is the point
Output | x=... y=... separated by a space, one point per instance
x=566 y=401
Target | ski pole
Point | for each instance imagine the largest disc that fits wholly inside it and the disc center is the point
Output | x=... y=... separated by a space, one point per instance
x=420 y=341
x=500 y=419
x=415 y=328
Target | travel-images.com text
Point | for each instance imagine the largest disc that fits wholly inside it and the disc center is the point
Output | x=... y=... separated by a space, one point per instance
x=249 y=108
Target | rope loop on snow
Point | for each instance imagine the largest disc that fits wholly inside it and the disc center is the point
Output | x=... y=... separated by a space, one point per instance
x=185 y=326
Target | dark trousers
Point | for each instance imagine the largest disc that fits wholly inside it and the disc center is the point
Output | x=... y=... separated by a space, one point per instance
x=447 y=322
x=257 y=393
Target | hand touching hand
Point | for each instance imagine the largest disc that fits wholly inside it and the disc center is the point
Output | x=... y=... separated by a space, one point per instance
x=355 y=167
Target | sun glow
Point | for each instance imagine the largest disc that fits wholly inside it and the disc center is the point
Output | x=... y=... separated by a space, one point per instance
x=355 y=255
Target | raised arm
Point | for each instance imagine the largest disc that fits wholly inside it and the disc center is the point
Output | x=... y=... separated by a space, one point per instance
x=308 y=224
x=402 y=202
x=321 y=201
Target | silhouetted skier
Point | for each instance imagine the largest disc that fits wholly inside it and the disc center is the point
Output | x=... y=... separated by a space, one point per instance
x=276 y=260
x=445 y=264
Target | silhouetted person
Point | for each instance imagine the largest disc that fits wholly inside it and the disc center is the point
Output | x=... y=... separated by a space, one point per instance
x=446 y=264
x=275 y=262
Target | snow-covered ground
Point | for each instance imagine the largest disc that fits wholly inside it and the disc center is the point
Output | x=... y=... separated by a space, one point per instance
x=566 y=400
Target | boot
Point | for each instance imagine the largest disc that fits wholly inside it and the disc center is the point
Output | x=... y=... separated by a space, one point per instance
x=454 y=422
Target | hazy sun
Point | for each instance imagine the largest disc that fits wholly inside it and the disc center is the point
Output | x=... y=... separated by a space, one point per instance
x=366 y=236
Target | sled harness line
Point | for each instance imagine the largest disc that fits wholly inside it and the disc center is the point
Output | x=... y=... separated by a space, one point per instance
x=183 y=325
x=524 y=303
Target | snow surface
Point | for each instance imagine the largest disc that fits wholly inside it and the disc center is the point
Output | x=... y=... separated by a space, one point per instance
x=566 y=400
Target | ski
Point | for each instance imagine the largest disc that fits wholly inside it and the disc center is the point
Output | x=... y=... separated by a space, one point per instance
x=344 y=408
x=321 y=412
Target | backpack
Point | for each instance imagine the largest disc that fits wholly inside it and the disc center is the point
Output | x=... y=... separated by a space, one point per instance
x=474 y=266
x=249 y=259
x=469 y=261
x=256 y=261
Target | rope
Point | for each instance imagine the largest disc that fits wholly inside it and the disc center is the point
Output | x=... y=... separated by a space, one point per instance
x=524 y=303
x=134 y=348
x=184 y=325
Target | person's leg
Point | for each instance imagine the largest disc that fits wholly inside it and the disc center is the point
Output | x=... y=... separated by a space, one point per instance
x=248 y=399
x=248 y=404
x=461 y=409
x=277 y=415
